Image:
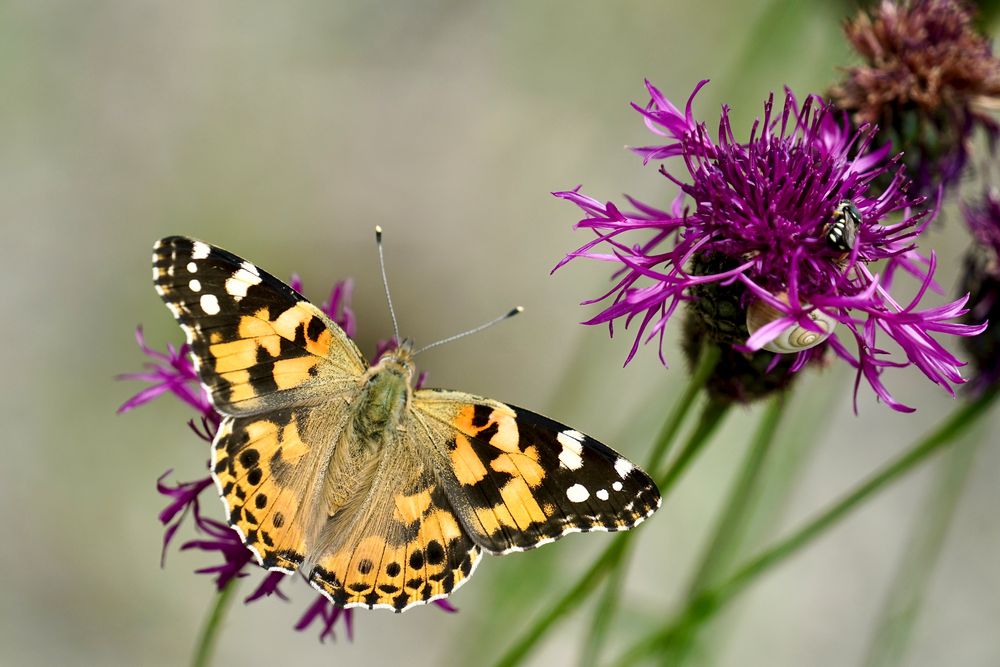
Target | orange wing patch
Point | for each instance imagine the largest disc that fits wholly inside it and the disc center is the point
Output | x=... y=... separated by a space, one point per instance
x=255 y=463
x=421 y=554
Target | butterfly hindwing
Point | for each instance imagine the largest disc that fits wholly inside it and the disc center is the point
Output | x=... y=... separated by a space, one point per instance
x=519 y=480
x=262 y=466
x=256 y=342
x=407 y=549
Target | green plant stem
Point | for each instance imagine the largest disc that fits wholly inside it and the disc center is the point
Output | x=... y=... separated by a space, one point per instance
x=613 y=554
x=714 y=598
x=605 y=610
x=906 y=593
x=729 y=530
x=707 y=361
x=213 y=625
x=710 y=419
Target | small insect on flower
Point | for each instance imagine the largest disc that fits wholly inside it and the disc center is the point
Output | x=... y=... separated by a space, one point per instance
x=772 y=245
x=842 y=231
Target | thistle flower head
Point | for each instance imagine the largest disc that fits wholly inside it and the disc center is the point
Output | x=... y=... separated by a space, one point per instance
x=752 y=232
x=928 y=77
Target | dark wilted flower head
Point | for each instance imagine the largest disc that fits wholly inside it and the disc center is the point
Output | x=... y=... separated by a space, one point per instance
x=173 y=373
x=981 y=280
x=928 y=80
x=750 y=240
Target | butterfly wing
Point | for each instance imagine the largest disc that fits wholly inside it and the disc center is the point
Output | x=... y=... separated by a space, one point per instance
x=281 y=370
x=403 y=544
x=258 y=344
x=264 y=467
x=518 y=480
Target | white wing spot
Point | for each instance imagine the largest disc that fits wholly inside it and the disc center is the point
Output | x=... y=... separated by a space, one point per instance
x=617 y=486
x=200 y=250
x=195 y=285
x=577 y=493
x=245 y=278
x=192 y=267
x=210 y=304
x=623 y=467
x=572 y=448
x=602 y=494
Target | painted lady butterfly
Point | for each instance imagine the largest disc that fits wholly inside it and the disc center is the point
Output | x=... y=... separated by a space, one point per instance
x=379 y=494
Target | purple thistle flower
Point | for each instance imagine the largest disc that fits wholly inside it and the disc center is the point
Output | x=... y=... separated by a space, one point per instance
x=981 y=280
x=929 y=80
x=748 y=240
x=173 y=373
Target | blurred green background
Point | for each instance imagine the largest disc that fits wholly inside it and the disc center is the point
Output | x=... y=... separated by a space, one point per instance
x=285 y=132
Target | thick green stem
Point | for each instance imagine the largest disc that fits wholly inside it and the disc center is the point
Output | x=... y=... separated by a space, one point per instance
x=711 y=600
x=213 y=625
x=614 y=552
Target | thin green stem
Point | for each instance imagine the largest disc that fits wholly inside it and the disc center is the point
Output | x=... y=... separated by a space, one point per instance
x=604 y=612
x=708 y=359
x=906 y=593
x=721 y=548
x=606 y=608
x=581 y=589
x=729 y=529
x=213 y=625
x=713 y=599
x=711 y=418
x=615 y=551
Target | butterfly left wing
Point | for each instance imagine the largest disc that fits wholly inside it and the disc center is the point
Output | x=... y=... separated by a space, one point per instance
x=518 y=480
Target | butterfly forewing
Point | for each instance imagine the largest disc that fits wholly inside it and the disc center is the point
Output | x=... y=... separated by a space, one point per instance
x=519 y=480
x=258 y=345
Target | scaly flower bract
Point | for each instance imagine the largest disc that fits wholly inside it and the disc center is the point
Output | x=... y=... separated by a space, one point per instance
x=757 y=213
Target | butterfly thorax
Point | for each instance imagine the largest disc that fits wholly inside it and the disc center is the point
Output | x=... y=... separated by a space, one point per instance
x=384 y=397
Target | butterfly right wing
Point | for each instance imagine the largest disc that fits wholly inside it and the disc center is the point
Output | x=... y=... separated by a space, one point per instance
x=519 y=480
x=257 y=344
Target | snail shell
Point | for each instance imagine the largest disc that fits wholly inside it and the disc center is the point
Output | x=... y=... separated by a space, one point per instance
x=793 y=338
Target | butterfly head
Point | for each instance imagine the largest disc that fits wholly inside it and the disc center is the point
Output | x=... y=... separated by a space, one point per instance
x=398 y=361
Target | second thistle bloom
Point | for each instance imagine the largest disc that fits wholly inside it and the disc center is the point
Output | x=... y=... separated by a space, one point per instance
x=928 y=79
x=779 y=233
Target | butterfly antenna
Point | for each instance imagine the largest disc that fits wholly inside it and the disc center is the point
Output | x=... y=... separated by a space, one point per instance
x=507 y=315
x=385 y=283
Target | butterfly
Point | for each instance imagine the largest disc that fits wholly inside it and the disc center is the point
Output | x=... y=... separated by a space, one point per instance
x=381 y=495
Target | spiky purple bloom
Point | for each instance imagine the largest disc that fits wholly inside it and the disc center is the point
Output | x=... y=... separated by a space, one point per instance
x=757 y=214
x=981 y=280
x=174 y=373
